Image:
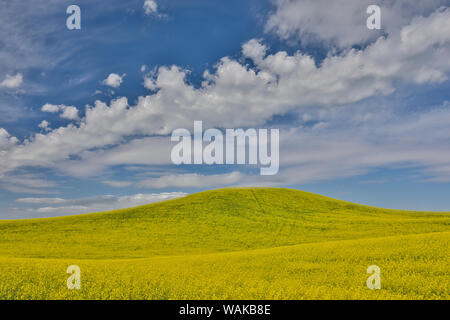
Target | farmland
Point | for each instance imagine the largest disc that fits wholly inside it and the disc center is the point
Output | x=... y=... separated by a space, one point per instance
x=249 y=243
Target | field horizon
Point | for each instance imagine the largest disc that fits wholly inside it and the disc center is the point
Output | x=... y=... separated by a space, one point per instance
x=233 y=243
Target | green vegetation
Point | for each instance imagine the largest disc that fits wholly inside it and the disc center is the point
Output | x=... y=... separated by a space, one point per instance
x=230 y=243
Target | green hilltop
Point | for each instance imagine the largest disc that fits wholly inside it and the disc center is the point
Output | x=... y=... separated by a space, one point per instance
x=225 y=220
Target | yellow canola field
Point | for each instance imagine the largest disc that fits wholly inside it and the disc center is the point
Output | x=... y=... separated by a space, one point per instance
x=230 y=244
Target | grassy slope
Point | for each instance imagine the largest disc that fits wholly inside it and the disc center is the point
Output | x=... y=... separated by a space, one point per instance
x=212 y=221
x=281 y=244
x=412 y=267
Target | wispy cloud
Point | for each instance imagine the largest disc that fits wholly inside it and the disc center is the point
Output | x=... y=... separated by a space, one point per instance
x=27 y=183
x=58 y=206
x=191 y=180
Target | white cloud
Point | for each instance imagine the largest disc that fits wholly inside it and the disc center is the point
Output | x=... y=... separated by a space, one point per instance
x=191 y=180
x=26 y=183
x=44 y=125
x=25 y=190
x=345 y=142
x=70 y=113
x=41 y=200
x=150 y=7
x=352 y=142
x=114 y=80
x=67 y=112
x=144 y=151
x=58 y=206
x=117 y=184
x=30 y=180
x=12 y=82
x=6 y=140
x=50 y=108
x=343 y=22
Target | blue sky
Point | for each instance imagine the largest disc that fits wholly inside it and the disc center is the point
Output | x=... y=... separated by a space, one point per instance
x=363 y=114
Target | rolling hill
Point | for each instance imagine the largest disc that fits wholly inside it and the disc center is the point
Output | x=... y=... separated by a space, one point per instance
x=249 y=243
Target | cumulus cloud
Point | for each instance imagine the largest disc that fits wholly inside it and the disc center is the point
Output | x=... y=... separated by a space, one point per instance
x=114 y=80
x=343 y=22
x=51 y=108
x=70 y=113
x=67 y=112
x=44 y=125
x=6 y=140
x=150 y=7
x=58 y=206
x=12 y=82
